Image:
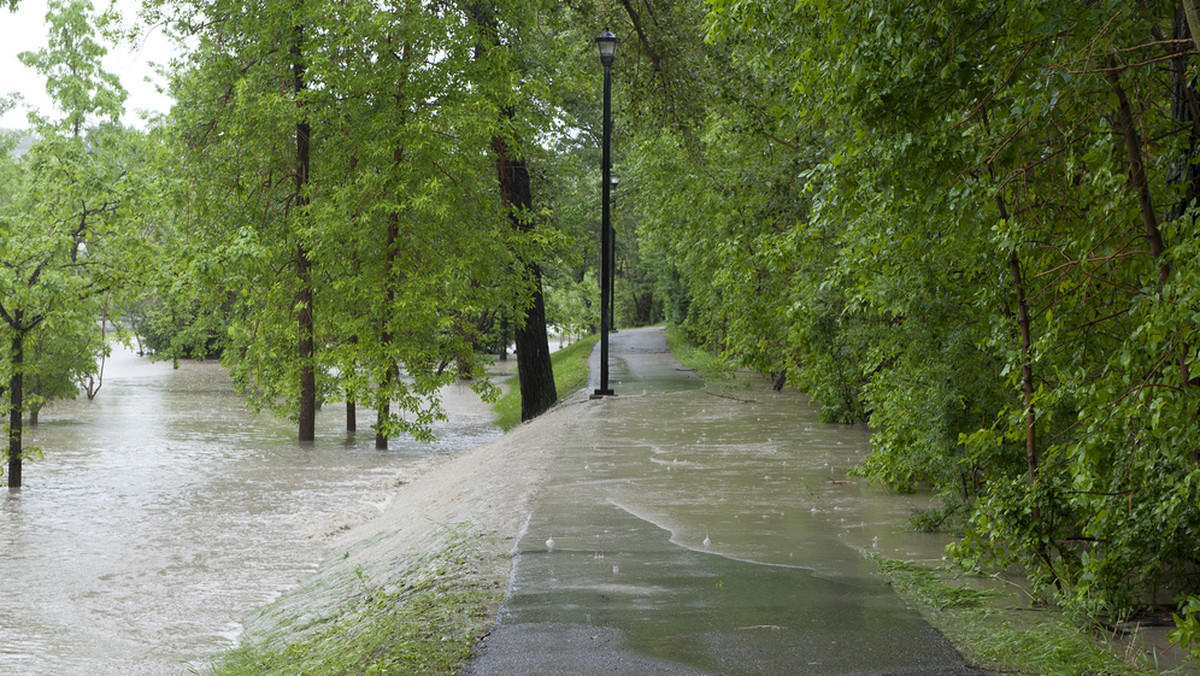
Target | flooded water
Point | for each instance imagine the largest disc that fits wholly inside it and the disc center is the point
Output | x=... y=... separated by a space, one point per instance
x=692 y=530
x=163 y=512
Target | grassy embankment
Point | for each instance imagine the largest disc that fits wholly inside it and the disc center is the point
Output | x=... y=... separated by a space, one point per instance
x=1000 y=632
x=426 y=624
x=997 y=632
x=570 y=374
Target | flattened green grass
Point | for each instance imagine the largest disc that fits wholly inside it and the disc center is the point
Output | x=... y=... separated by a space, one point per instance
x=997 y=636
x=428 y=626
x=570 y=374
x=712 y=368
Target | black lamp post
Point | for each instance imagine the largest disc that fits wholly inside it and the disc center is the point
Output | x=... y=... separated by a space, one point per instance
x=606 y=42
x=612 y=262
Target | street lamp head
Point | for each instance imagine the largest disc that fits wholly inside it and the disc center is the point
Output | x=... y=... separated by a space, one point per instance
x=606 y=42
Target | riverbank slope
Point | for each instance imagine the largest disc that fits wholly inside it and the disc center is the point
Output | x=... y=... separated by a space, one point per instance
x=447 y=531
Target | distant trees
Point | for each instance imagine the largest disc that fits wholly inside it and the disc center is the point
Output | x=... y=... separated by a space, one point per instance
x=71 y=234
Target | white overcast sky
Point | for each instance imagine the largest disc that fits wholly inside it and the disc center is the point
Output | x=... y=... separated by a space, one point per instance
x=25 y=30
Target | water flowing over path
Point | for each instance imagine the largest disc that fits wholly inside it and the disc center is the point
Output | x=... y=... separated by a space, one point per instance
x=688 y=531
x=163 y=513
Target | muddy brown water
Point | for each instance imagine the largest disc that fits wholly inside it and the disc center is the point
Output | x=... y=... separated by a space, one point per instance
x=163 y=512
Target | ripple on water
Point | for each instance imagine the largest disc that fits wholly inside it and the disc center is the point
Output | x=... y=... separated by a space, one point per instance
x=163 y=512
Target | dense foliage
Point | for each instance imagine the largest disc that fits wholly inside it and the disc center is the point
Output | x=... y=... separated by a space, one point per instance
x=972 y=224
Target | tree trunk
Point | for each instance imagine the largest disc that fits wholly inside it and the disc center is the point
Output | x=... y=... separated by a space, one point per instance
x=304 y=295
x=389 y=284
x=1193 y=20
x=16 y=402
x=1031 y=458
x=1026 y=332
x=34 y=410
x=534 y=370
x=1127 y=128
x=504 y=336
x=351 y=414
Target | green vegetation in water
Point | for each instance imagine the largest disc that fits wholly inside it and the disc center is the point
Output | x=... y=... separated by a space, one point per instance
x=570 y=373
x=998 y=638
x=426 y=626
x=712 y=368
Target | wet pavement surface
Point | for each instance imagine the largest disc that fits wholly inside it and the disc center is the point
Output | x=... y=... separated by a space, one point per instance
x=688 y=531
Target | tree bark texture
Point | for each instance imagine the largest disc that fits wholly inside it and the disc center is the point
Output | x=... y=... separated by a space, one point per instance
x=534 y=370
x=1031 y=456
x=393 y=372
x=1025 y=330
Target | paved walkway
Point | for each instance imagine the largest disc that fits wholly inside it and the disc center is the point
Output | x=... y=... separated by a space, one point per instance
x=690 y=534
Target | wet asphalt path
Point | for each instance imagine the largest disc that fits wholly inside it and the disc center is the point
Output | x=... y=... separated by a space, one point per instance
x=616 y=572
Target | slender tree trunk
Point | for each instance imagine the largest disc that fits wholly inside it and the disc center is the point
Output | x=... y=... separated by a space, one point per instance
x=1185 y=110
x=15 y=404
x=1031 y=457
x=304 y=295
x=1193 y=20
x=1026 y=333
x=351 y=414
x=392 y=374
x=1127 y=128
x=504 y=335
x=36 y=388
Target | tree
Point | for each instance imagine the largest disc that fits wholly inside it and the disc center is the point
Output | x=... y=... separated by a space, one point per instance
x=71 y=230
x=535 y=374
x=1007 y=192
x=397 y=221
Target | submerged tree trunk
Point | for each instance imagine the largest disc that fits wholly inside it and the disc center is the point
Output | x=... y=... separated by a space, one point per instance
x=304 y=295
x=15 y=404
x=36 y=388
x=392 y=374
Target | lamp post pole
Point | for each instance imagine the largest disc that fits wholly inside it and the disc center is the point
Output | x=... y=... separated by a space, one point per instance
x=606 y=42
x=612 y=262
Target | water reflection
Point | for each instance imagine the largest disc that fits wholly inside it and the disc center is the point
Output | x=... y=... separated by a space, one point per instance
x=163 y=512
